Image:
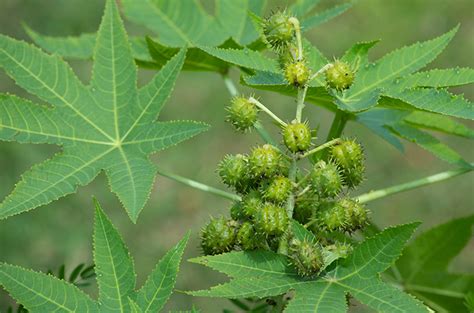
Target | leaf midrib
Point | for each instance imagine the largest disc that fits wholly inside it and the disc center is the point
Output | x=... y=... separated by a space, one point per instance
x=35 y=292
x=69 y=105
x=388 y=77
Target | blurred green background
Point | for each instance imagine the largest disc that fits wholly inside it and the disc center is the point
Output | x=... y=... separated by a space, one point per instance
x=61 y=232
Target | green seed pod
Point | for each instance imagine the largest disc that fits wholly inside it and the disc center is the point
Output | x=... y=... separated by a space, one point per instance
x=325 y=179
x=265 y=161
x=242 y=113
x=278 y=190
x=251 y=204
x=297 y=137
x=338 y=249
x=357 y=214
x=233 y=171
x=278 y=31
x=218 y=236
x=287 y=55
x=339 y=76
x=237 y=211
x=306 y=256
x=297 y=73
x=349 y=156
x=247 y=238
x=345 y=215
x=271 y=220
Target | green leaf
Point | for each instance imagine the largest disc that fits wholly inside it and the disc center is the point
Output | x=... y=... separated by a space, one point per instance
x=114 y=265
x=324 y=16
x=245 y=57
x=196 y=59
x=439 y=123
x=302 y=7
x=109 y=125
x=428 y=142
x=373 y=78
x=115 y=276
x=440 y=78
x=435 y=100
x=357 y=55
x=44 y=293
x=422 y=269
x=159 y=285
x=234 y=18
x=82 y=46
x=263 y=273
x=178 y=23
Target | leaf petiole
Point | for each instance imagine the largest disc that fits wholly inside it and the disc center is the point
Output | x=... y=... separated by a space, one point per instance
x=321 y=147
x=268 y=111
x=377 y=194
x=200 y=186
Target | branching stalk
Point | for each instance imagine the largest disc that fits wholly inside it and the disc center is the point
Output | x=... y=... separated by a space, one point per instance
x=230 y=85
x=200 y=186
x=268 y=111
x=321 y=147
x=296 y=25
x=300 y=103
x=321 y=71
x=377 y=194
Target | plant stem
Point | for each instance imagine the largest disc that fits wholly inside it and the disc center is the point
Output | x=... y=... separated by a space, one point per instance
x=300 y=102
x=267 y=110
x=338 y=124
x=321 y=147
x=296 y=25
x=290 y=204
x=230 y=85
x=322 y=70
x=200 y=186
x=377 y=194
x=258 y=126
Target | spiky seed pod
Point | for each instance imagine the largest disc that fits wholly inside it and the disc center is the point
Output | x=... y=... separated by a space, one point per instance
x=265 y=161
x=340 y=76
x=345 y=215
x=349 y=156
x=278 y=190
x=218 y=236
x=333 y=218
x=297 y=73
x=233 y=171
x=278 y=31
x=297 y=137
x=287 y=55
x=271 y=220
x=246 y=237
x=237 y=211
x=339 y=249
x=242 y=113
x=325 y=179
x=357 y=214
x=306 y=256
x=251 y=204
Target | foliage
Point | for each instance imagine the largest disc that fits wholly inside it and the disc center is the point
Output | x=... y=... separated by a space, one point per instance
x=292 y=242
x=109 y=125
x=39 y=292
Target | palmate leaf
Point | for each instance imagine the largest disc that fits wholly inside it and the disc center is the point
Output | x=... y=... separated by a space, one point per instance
x=109 y=125
x=262 y=274
x=423 y=268
x=39 y=292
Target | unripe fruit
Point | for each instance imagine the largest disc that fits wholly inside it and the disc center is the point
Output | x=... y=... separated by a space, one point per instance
x=247 y=238
x=278 y=190
x=297 y=137
x=237 y=211
x=325 y=179
x=297 y=73
x=278 y=30
x=306 y=256
x=271 y=220
x=242 y=113
x=233 y=171
x=287 y=55
x=251 y=204
x=339 y=76
x=345 y=215
x=349 y=156
x=339 y=249
x=218 y=236
x=265 y=161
